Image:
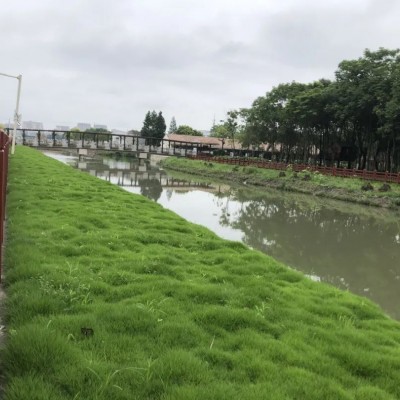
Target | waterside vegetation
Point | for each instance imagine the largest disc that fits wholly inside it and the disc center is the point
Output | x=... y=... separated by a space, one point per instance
x=307 y=182
x=110 y=296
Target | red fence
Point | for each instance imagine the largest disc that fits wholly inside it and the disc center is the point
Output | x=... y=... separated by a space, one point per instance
x=4 y=145
x=333 y=171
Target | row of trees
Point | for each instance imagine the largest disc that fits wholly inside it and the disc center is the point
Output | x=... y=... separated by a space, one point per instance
x=154 y=126
x=182 y=129
x=354 y=118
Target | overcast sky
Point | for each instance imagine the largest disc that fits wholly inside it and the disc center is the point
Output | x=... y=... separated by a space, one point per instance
x=109 y=62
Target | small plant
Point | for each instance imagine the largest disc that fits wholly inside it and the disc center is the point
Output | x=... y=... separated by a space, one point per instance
x=366 y=187
x=72 y=292
x=349 y=322
x=262 y=308
x=153 y=306
x=106 y=381
x=249 y=170
x=385 y=188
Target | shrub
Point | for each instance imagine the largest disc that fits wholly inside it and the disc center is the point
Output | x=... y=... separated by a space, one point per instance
x=367 y=187
x=385 y=188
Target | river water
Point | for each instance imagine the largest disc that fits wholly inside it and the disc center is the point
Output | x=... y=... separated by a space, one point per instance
x=353 y=247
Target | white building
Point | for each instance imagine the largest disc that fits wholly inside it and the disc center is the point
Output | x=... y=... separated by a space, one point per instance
x=100 y=126
x=62 y=128
x=82 y=126
x=32 y=125
x=118 y=132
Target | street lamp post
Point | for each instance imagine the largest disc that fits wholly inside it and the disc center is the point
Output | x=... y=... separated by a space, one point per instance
x=16 y=115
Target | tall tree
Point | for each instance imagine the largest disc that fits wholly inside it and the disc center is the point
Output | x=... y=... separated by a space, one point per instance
x=365 y=88
x=153 y=126
x=219 y=131
x=172 y=126
x=160 y=126
x=148 y=129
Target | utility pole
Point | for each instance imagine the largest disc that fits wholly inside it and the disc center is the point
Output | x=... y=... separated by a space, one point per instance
x=16 y=115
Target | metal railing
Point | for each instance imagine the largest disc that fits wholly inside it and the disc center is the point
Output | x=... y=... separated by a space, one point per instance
x=332 y=171
x=5 y=142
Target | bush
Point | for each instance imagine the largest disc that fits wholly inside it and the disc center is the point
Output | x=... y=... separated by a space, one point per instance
x=367 y=187
x=385 y=188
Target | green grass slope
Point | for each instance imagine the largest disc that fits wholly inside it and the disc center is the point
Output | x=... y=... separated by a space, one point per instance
x=171 y=311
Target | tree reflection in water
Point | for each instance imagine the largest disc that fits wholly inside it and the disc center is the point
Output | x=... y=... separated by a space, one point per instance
x=356 y=251
x=150 y=188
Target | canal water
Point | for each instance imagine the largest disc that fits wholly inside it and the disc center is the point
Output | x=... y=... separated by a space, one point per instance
x=353 y=247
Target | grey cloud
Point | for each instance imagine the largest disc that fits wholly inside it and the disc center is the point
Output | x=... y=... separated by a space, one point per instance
x=111 y=62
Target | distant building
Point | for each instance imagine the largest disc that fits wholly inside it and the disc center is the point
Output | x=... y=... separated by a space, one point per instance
x=118 y=132
x=100 y=126
x=32 y=125
x=133 y=132
x=62 y=128
x=82 y=126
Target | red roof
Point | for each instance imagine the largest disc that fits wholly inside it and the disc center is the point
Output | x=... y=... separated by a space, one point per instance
x=206 y=140
x=216 y=143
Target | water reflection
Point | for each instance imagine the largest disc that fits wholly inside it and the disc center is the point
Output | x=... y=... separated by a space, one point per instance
x=355 y=248
x=352 y=247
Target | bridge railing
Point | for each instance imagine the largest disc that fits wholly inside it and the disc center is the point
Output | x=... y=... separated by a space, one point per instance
x=45 y=138
x=333 y=171
x=4 y=147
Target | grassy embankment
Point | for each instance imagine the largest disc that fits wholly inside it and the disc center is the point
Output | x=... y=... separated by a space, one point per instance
x=348 y=189
x=176 y=312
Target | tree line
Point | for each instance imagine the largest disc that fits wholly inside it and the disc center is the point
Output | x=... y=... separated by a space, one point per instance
x=353 y=120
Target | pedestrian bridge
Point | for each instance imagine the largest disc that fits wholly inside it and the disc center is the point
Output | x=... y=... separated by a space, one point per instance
x=56 y=139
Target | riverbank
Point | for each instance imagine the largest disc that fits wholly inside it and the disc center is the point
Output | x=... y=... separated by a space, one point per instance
x=110 y=296
x=345 y=189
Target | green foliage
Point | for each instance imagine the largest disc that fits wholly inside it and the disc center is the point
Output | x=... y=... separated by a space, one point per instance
x=219 y=131
x=101 y=134
x=354 y=119
x=187 y=130
x=176 y=312
x=154 y=125
x=229 y=129
x=348 y=189
x=75 y=134
x=172 y=126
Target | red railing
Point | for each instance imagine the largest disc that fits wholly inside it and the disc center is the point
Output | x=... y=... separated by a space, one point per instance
x=333 y=171
x=4 y=145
